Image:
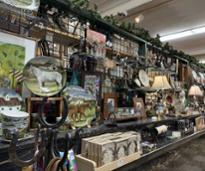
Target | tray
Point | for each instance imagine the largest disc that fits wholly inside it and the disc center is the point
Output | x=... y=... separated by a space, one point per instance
x=85 y=164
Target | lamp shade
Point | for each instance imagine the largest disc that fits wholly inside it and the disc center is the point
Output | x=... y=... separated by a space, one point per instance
x=161 y=83
x=195 y=91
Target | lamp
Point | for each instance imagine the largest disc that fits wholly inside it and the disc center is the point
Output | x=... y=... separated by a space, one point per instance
x=195 y=91
x=161 y=83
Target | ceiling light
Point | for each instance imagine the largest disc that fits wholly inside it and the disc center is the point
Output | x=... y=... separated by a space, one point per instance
x=182 y=34
x=139 y=18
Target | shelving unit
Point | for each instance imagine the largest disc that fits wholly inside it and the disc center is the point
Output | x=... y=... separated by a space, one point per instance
x=37 y=30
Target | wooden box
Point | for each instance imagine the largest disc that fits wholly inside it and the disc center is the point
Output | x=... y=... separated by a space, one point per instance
x=109 y=147
x=120 y=146
x=85 y=141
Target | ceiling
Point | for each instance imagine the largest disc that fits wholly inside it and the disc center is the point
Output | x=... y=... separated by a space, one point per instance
x=164 y=17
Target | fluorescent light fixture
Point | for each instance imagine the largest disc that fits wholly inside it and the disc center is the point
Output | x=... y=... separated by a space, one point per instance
x=183 y=34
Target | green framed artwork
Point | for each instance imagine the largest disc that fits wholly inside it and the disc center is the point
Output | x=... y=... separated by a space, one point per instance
x=15 y=52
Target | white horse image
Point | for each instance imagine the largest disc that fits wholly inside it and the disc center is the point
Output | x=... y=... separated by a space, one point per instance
x=43 y=76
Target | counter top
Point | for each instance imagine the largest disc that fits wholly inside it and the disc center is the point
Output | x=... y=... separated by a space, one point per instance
x=106 y=127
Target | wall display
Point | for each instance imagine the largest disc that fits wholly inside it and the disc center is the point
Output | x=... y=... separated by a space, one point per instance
x=44 y=76
x=15 y=52
x=82 y=106
x=24 y=4
x=109 y=104
x=96 y=43
x=139 y=106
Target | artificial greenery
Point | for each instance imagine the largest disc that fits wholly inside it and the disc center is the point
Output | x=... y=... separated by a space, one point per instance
x=133 y=29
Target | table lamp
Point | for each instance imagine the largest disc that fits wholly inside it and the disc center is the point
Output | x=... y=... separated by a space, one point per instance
x=195 y=91
x=160 y=83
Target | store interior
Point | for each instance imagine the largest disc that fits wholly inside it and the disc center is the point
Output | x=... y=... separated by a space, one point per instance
x=89 y=85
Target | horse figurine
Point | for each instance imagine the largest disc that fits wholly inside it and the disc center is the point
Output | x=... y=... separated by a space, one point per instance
x=43 y=76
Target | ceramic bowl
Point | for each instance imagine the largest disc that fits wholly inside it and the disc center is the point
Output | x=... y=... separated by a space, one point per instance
x=14 y=120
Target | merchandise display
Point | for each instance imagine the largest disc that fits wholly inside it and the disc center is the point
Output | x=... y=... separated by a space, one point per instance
x=79 y=92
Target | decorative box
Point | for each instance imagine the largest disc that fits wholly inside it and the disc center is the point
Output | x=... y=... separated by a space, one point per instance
x=106 y=148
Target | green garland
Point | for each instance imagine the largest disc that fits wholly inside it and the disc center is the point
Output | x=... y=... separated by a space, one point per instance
x=133 y=29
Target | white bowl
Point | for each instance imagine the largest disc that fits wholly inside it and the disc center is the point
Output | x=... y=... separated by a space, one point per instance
x=14 y=120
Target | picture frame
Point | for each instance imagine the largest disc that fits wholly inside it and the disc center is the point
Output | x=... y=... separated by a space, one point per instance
x=109 y=104
x=92 y=84
x=15 y=52
x=200 y=123
x=139 y=106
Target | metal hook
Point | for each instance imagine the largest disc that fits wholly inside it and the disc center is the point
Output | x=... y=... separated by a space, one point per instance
x=59 y=123
x=39 y=150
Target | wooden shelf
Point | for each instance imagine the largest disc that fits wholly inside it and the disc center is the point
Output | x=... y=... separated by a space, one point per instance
x=57 y=31
x=135 y=160
x=122 y=54
x=85 y=164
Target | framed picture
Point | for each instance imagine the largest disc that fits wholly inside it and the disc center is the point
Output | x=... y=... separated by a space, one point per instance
x=200 y=123
x=96 y=43
x=15 y=52
x=92 y=84
x=139 y=106
x=109 y=104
